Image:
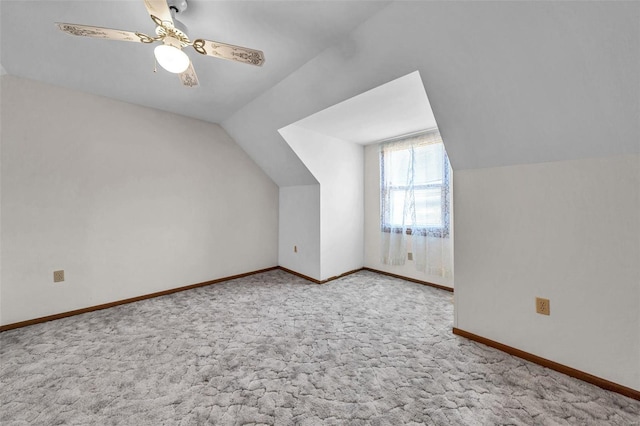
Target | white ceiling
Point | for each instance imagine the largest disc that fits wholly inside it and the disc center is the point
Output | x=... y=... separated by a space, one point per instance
x=509 y=82
x=396 y=108
x=289 y=33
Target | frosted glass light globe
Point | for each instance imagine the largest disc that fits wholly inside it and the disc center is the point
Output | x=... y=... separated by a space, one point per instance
x=171 y=58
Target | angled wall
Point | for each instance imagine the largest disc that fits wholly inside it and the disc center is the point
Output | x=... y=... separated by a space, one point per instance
x=554 y=89
x=338 y=167
x=125 y=199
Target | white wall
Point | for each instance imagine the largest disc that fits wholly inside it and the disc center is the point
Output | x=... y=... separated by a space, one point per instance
x=299 y=226
x=342 y=209
x=126 y=199
x=568 y=231
x=372 y=255
x=338 y=167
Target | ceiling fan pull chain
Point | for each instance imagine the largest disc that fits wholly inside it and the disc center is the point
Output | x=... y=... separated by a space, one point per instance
x=155 y=64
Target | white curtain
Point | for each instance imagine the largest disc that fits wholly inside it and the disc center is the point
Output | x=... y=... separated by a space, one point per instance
x=416 y=204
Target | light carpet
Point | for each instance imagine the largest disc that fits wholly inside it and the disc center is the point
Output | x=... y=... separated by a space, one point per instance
x=274 y=349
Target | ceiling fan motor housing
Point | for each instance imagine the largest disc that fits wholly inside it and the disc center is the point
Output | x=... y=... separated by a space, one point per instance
x=180 y=26
x=177 y=31
x=173 y=42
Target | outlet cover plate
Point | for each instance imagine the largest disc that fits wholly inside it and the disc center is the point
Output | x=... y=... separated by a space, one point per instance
x=542 y=306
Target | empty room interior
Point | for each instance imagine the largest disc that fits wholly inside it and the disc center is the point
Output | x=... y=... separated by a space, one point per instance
x=338 y=212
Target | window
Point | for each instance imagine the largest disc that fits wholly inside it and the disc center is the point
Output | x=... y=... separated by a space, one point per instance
x=415 y=176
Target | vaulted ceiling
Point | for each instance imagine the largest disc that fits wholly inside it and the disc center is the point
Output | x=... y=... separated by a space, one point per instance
x=509 y=82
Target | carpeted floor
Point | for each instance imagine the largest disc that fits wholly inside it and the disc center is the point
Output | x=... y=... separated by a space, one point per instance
x=274 y=349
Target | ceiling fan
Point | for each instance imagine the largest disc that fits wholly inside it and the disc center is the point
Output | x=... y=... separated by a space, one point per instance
x=173 y=36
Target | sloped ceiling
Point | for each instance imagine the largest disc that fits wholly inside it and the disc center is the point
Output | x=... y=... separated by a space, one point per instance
x=400 y=107
x=289 y=32
x=509 y=82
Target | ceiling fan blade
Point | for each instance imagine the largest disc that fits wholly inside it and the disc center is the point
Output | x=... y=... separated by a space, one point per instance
x=106 y=33
x=229 y=51
x=189 y=77
x=159 y=10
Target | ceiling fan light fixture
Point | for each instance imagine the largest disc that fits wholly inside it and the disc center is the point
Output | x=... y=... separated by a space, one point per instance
x=171 y=58
x=173 y=35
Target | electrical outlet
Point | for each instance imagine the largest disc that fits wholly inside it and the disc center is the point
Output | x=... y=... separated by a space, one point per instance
x=58 y=276
x=409 y=256
x=542 y=306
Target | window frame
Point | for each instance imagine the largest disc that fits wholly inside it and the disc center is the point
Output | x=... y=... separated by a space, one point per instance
x=443 y=231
